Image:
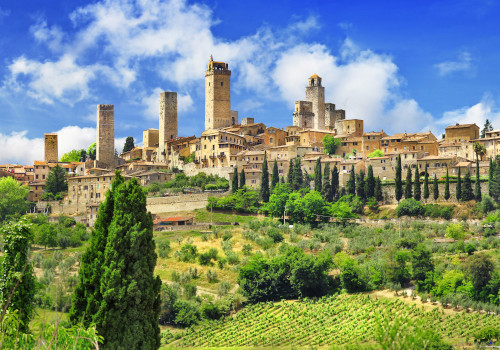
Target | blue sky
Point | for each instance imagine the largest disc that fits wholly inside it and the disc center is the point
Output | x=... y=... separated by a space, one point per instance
x=400 y=66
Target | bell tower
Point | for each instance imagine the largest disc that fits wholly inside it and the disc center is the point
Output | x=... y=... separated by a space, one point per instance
x=315 y=93
x=217 y=95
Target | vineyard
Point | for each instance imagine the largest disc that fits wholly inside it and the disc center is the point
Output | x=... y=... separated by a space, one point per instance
x=337 y=320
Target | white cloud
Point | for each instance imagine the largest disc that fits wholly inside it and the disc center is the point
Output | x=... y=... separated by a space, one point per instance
x=462 y=64
x=478 y=113
x=52 y=36
x=151 y=104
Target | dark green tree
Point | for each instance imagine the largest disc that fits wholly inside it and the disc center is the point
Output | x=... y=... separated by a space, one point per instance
x=12 y=197
x=17 y=281
x=290 y=172
x=417 y=192
x=370 y=183
x=330 y=144
x=398 y=183
x=360 y=185
x=297 y=176
x=477 y=190
x=479 y=268
x=129 y=144
x=129 y=312
x=326 y=188
x=467 y=193
x=351 y=182
x=435 y=188
x=495 y=181
x=275 y=177
x=447 y=186
x=243 y=180
x=378 y=190
x=408 y=185
x=91 y=151
x=458 y=192
x=422 y=267
x=487 y=127
x=83 y=155
x=335 y=182
x=306 y=180
x=426 y=183
x=317 y=176
x=491 y=175
x=234 y=183
x=56 y=181
x=264 y=181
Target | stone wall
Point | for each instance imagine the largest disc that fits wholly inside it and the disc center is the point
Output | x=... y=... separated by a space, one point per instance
x=168 y=121
x=225 y=172
x=184 y=202
x=105 y=147
x=51 y=151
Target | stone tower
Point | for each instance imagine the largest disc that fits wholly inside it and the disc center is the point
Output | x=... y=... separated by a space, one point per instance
x=105 y=148
x=303 y=116
x=51 y=154
x=168 y=121
x=217 y=95
x=315 y=93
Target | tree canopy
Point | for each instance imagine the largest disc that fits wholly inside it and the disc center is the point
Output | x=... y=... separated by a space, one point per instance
x=12 y=197
x=56 y=181
x=330 y=144
x=72 y=156
x=129 y=144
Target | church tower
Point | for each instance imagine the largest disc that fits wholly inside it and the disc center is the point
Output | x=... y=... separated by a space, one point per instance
x=217 y=95
x=315 y=93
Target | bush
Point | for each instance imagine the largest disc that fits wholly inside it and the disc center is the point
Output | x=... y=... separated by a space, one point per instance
x=187 y=313
x=164 y=249
x=438 y=211
x=455 y=231
x=410 y=207
x=275 y=234
x=188 y=253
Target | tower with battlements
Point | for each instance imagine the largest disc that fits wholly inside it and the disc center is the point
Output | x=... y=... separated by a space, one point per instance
x=51 y=154
x=217 y=95
x=168 y=121
x=105 y=147
x=315 y=93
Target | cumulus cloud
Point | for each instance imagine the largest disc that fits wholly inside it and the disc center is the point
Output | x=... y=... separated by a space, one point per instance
x=151 y=104
x=478 y=113
x=462 y=64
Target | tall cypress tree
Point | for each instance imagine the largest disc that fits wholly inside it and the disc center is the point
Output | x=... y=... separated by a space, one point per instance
x=335 y=182
x=370 y=183
x=306 y=180
x=378 y=190
x=243 y=179
x=495 y=182
x=87 y=296
x=326 y=188
x=477 y=192
x=447 y=186
x=491 y=175
x=290 y=172
x=435 y=188
x=426 y=183
x=360 y=185
x=408 y=184
x=398 y=184
x=275 y=177
x=417 y=192
x=264 y=181
x=351 y=182
x=129 y=311
x=467 y=193
x=234 y=184
x=458 y=191
x=317 y=176
x=297 y=179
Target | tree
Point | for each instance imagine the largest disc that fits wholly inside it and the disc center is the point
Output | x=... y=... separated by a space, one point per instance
x=128 y=314
x=71 y=156
x=91 y=151
x=398 y=185
x=17 y=280
x=370 y=183
x=12 y=197
x=275 y=179
x=277 y=201
x=317 y=176
x=330 y=144
x=360 y=185
x=480 y=268
x=129 y=144
x=290 y=172
x=458 y=191
x=376 y=153
x=417 y=192
x=435 y=188
x=491 y=175
x=335 y=182
x=408 y=185
x=479 y=149
x=447 y=186
x=297 y=176
x=477 y=191
x=426 y=182
x=234 y=183
x=264 y=182
x=242 y=181
x=326 y=188
x=56 y=181
x=83 y=155
x=351 y=182
x=422 y=266
x=495 y=181
x=378 y=190
x=467 y=194
x=487 y=127
x=306 y=180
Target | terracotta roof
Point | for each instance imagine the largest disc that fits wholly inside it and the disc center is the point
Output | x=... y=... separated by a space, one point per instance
x=436 y=157
x=460 y=126
x=172 y=219
x=40 y=162
x=462 y=164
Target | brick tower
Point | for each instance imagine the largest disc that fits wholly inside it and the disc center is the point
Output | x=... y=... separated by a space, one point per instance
x=51 y=154
x=105 y=148
x=217 y=95
x=315 y=93
x=168 y=121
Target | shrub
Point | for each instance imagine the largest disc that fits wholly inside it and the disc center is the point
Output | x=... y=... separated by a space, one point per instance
x=487 y=204
x=410 y=207
x=187 y=253
x=275 y=234
x=187 y=313
x=455 y=231
x=438 y=211
x=164 y=249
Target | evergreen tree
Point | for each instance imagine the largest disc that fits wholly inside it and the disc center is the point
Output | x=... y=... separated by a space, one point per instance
x=87 y=296
x=129 y=144
x=370 y=183
x=306 y=180
x=408 y=184
x=467 y=193
x=18 y=283
x=128 y=314
x=360 y=185
x=335 y=182
x=234 y=184
x=491 y=175
x=495 y=181
x=56 y=181
x=326 y=188
x=297 y=177
x=458 y=192
x=317 y=176
x=487 y=127
x=378 y=190
x=426 y=183
x=264 y=181
x=447 y=186
x=477 y=192
x=275 y=179
x=435 y=188
x=290 y=172
x=417 y=192
x=243 y=180
x=398 y=184
x=83 y=155
x=351 y=182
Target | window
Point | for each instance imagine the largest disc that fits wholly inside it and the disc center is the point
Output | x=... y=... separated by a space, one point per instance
x=221 y=83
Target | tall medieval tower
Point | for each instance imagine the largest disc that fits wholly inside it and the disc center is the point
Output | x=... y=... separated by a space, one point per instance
x=217 y=95
x=105 y=148
x=315 y=93
x=168 y=121
x=51 y=154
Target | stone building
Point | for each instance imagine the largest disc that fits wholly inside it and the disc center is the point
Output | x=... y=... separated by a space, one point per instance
x=349 y=127
x=274 y=137
x=459 y=133
x=150 y=138
x=105 y=147
x=217 y=147
x=168 y=122
x=218 y=96
x=51 y=151
x=420 y=141
x=315 y=93
x=303 y=116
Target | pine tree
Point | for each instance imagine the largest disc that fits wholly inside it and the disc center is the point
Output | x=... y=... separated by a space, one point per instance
x=370 y=183
x=435 y=188
x=408 y=184
x=129 y=144
x=234 y=186
x=447 y=186
x=351 y=182
x=467 y=194
x=128 y=314
x=290 y=172
x=275 y=179
x=417 y=192
x=426 y=183
x=378 y=190
x=87 y=296
x=477 y=192
x=326 y=188
x=56 y=181
x=264 y=181
x=491 y=175
x=360 y=185
x=335 y=182
x=487 y=127
x=306 y=180
x=243 y=180
x=398 y=184
x=317 y=176
x=298 y=177
x=458 y=192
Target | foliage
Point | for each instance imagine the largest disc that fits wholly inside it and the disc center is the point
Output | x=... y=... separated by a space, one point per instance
x=480 y=269
x=467 y=193
x=487 y=127
x=71 y=156
x=330 y=144
x=487 y=334
x=297 y=176
x=12 y=198
x=438 y=211
x=435 y=188
x=245 y=200
x=477 y=190
x=275 y=176
x=378 y=190
x=264 y=182
x=376 y=153
x=455 y=231
x=447 y=186
x=306 y=208
x=360 y=185
x=242 y=180
x=129 y=144
x=318 y=183
x=351 y=182
x=56 y=181
x=234 y=181
x=398 y=184
x=277 y=201
x=426 y=182
x=91 y=151
x=326 y=187
x=370 y=183
x=422 y=266
x=408 y=184
x=335 y=182
x=458 y=191
x=410 y=207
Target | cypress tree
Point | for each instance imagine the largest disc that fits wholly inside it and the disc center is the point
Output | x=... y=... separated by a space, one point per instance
x=326 y=188
x=306 y=181
x=447 y=186
x=351 y=182
x=435 y=188
x=408 y=184
x=467 y=193
x=234 y=186
x=317 y=176
x=426 y=183
x=128 y=314
x=290 y=172
x=495 y=186
x=297 y=179
x=398 y=184
x=56 y=181
x=87 y=296
x=360 y=185
x=335 y=182
x=459 y=186
x=243 y=180
x=264 y=181
x=477 y=192
x=275 y=177
x=370 y=183
x=491 y=175
x=417 y=192
x=378 y=190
